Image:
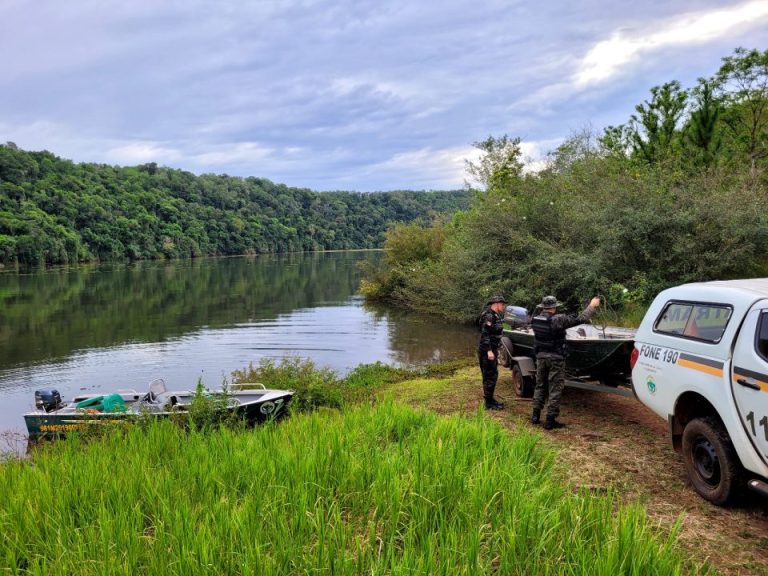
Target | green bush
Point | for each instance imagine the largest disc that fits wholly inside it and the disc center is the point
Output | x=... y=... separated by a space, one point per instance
x=314 y=386
x=409 y=249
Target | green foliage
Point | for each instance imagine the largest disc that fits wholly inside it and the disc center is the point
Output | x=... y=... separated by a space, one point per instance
x=315 y=387
x=668 y=198
x=408 y=247
x=579 y=232
x=500 y=162
x=374 y=490
x=55 y=212
x=408 y=243
x=703 y=133
x=653 y=131
x=743 y=83
x=209 y=411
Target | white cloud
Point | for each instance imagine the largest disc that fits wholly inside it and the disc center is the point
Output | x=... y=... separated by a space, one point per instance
x=141 y=152
x=424 y=168
x=234 y=153
x=535 y=153
x=348 y=85
x=609 y=57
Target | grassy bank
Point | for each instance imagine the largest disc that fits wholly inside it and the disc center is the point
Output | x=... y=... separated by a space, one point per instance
x=382 y=489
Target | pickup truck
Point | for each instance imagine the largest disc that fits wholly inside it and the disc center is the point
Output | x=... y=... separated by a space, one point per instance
x=700 y=360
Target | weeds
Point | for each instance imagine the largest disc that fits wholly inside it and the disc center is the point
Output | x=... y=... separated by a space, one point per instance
x=209 y=410
x=322 y=387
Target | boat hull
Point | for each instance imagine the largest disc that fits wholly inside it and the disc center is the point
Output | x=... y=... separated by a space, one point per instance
x=591 y=352
x=62 y=422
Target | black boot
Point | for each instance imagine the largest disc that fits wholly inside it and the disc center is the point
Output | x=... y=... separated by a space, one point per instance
x=552 y=424
x=494 y=404
x=536 y=416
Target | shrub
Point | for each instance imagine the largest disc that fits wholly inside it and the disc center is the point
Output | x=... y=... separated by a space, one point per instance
x=314 y=386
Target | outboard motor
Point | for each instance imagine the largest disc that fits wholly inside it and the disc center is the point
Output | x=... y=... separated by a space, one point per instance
x=517 y=312
x=48 y=400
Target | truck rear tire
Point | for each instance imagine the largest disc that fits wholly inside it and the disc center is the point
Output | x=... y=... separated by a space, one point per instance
x=711 y=461
x=523 y=385
x=505 y=352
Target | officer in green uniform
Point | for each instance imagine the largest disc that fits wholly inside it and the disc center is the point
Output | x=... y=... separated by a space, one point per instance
x=491 y=328
x=549 y=345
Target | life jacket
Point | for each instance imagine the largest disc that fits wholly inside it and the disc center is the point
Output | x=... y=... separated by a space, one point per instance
x=546 y=339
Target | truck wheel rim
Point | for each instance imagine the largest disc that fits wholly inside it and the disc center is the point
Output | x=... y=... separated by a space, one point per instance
x=706 y=462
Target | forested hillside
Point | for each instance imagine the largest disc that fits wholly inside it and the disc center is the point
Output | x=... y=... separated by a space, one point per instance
x=678 y=193
x=55 y=211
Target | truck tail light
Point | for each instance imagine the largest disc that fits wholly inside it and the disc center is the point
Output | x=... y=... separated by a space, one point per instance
x=633 y=358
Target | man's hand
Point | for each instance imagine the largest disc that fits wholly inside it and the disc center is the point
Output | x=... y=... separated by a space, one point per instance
x=595 y=302
x=491 y=355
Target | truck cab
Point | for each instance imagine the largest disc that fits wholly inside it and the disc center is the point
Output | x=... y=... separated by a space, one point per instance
x=700 y=361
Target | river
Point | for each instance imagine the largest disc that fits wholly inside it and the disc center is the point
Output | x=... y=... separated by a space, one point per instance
x=120 y=326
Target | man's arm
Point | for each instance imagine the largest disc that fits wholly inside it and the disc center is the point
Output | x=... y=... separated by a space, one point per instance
x=564 y=321
x=486 y=322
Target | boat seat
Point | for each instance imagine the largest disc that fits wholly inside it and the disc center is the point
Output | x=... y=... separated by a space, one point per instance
x=156 y=389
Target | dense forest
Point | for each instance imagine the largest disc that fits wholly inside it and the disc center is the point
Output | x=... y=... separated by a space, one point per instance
x=54 y=211
x=678 y=193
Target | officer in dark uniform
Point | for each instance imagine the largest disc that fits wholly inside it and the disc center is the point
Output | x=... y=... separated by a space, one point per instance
x=488 y=349
x=549 y=345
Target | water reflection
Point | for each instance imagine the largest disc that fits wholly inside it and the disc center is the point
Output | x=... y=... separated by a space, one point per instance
x=420 y=339
x=50 y=314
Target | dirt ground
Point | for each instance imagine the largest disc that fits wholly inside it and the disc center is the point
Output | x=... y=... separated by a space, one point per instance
x=615 y=442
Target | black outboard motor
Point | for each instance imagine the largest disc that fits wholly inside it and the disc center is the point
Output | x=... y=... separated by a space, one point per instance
x=48 y=400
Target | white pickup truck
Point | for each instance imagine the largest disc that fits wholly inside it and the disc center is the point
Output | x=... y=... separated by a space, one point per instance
x=701 y=362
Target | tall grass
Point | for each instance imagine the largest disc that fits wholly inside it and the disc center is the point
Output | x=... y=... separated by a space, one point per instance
x=372 y=490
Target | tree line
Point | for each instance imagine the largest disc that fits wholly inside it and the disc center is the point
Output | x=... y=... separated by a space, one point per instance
x=678 y=193
x=54 y=211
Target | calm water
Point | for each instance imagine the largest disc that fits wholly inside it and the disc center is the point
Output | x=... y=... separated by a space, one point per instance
x=116 y=327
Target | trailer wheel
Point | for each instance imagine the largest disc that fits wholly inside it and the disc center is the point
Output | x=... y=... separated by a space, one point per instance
x=505 y=352
x=711 y=461
x=523 y=385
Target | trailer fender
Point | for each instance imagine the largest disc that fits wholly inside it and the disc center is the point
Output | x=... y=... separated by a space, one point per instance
x=526 y=363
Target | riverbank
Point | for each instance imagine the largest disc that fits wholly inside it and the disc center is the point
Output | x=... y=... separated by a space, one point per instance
x=406 y=476
x=615 y=445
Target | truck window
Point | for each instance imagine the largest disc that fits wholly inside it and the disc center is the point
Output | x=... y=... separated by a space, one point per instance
x=761 y=342
x=705 y=322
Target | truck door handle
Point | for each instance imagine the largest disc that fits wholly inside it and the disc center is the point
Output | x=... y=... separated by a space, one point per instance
x=748 y=383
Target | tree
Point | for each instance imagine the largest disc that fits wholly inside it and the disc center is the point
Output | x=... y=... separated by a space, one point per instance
x=499 y=164
x=653 y=129
x=702 y=131
x=743 y=82
x=615 y=141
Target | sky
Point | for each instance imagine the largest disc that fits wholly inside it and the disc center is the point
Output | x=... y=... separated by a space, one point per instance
x=343 y=94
